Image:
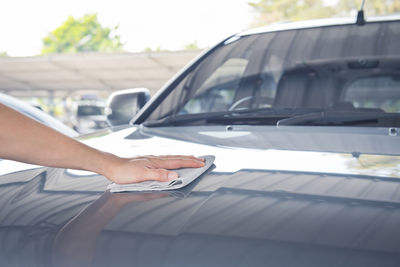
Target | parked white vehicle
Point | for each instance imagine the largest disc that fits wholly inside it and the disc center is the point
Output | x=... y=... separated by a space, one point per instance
x=303 y=120
x=88 y=116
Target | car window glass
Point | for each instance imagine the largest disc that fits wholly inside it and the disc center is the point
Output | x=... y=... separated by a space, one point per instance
x=381 y=92
x=217 y=92
x=321 y=67
x=125 y=106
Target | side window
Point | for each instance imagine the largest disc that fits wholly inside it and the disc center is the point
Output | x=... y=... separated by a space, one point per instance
x=379 y=92
x=217 y=92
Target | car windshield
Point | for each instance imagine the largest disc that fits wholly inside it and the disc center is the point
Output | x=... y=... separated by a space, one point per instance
x=332 y=75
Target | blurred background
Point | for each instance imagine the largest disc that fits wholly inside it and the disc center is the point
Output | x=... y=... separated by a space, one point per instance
x=67 y=58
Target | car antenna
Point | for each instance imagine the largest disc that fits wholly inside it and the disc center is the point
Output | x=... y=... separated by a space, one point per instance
x=360 y=15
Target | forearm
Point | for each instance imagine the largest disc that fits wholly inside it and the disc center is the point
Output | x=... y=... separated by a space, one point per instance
x=26 y=140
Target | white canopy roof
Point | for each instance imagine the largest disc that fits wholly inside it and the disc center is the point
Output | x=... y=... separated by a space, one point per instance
x=65 y=74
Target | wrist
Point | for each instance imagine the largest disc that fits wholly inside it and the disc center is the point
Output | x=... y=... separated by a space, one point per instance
x=107 y=164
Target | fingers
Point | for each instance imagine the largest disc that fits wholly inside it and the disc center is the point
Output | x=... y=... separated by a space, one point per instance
x=176 y=163
x=161 y=175
x=166 y=157
x=173 y=161
x=156 y=168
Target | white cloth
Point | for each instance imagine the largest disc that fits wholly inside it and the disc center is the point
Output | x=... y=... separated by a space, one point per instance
x=186 y=176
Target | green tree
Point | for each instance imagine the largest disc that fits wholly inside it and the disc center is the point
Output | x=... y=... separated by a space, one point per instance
x=371 y=7
x=3 y=54
x=84 y=34
x=157 y=49
x=192 y=46
x=269 y=11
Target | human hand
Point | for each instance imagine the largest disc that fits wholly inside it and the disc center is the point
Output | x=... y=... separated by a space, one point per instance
x=139 y=169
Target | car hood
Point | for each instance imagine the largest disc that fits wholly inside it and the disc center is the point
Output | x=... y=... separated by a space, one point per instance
x=289 y=196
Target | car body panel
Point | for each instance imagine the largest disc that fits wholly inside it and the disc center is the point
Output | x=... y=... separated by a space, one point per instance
x=279 y=206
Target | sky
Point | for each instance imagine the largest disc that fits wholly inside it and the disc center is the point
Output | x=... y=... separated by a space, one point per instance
x=167 y=24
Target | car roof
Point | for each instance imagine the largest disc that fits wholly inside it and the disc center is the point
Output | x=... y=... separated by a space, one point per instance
x=293 y=25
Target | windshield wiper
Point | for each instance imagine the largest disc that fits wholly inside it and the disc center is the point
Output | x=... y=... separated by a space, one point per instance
x=245 y=115
x=283 y=116
x=340 y=117
x=183 y=119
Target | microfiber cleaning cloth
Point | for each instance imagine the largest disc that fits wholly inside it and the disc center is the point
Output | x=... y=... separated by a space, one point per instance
x=186 y=176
